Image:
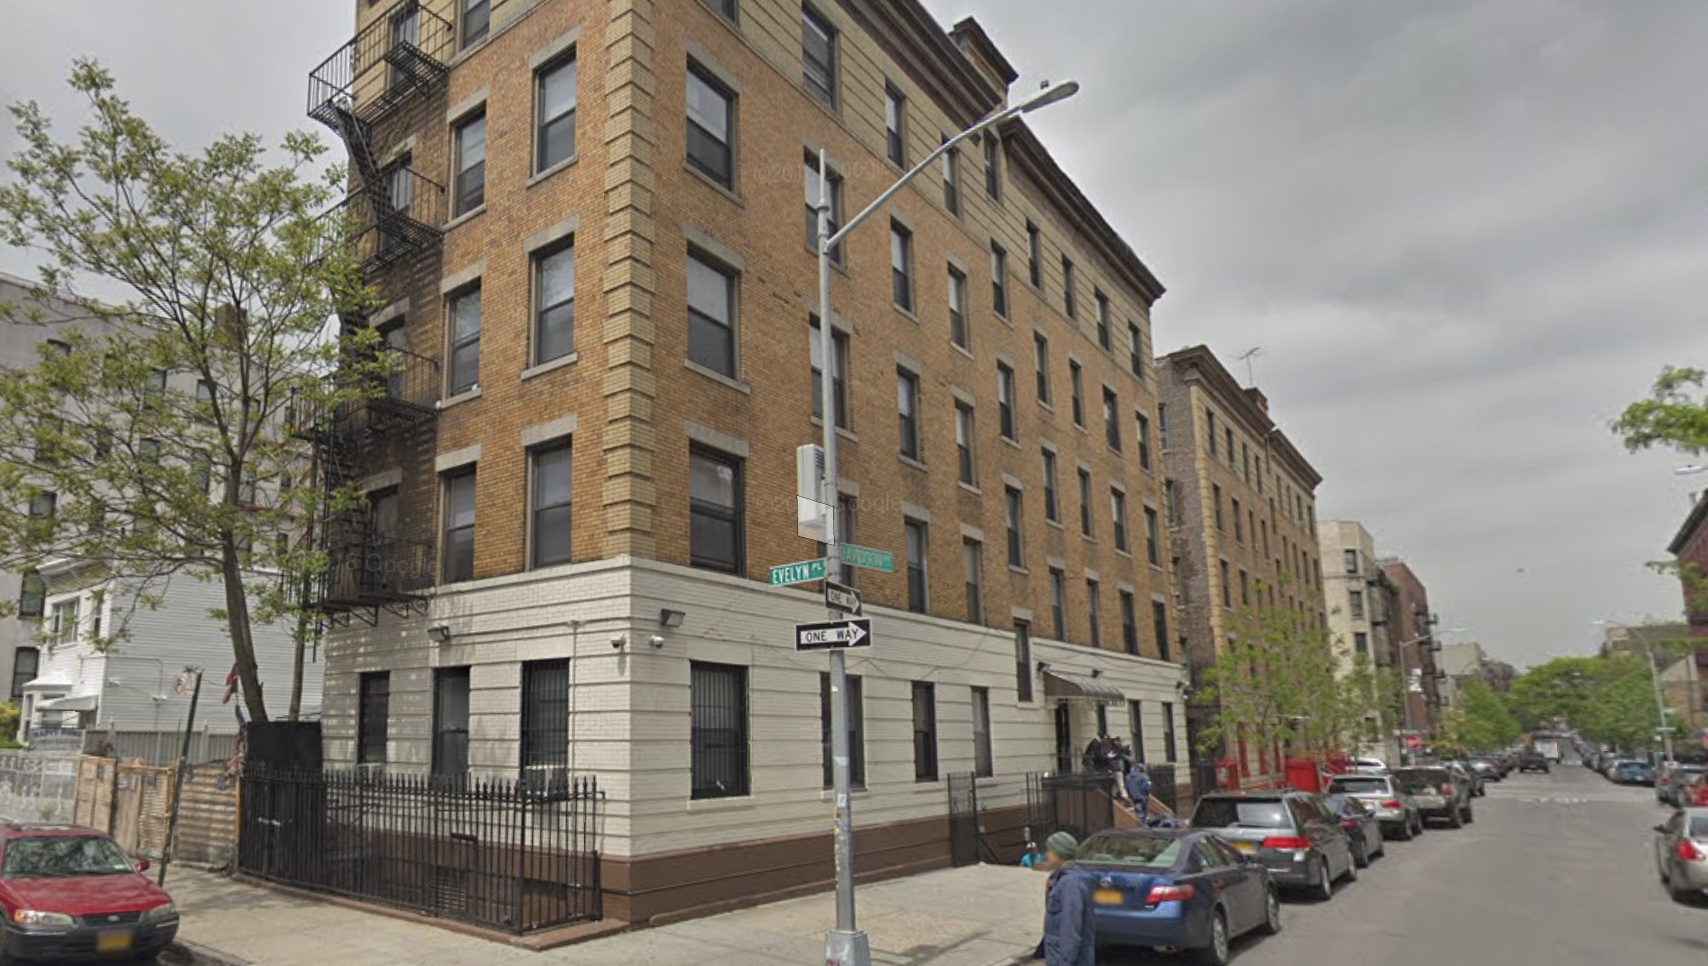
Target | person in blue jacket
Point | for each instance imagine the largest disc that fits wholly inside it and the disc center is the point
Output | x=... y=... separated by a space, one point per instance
x=1070 y=929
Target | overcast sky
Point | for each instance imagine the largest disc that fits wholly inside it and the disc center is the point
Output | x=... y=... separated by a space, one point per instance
x=1463 y=234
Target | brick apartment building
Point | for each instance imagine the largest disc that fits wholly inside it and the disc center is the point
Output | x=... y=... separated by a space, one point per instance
x=1415 y=647
x=1241 y=510
x=586 y=223
x=1689 y=548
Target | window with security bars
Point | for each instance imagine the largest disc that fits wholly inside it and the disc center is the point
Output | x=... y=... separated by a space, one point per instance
x=373 y=716
x=984 y=764
x=856 y=730
x=545 y=715
x=924 y=731
x=718 y=738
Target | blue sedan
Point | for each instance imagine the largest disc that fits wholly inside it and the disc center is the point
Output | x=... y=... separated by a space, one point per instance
x=1176 y=889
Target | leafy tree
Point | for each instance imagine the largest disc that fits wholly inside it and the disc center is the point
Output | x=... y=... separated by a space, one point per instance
x=224 y=272
x=1480 y=718
x=1560 y=690
x=1675 y=414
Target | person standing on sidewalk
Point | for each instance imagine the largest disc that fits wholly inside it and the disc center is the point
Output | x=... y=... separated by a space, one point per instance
x=1070 y=928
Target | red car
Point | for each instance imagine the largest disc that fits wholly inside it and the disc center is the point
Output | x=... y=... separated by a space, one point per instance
x=71 y=895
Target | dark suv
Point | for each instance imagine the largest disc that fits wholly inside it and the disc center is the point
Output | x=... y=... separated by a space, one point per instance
x=1532 y=761
x=1292 y=834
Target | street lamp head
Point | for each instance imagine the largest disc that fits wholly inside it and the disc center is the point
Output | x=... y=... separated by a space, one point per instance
x=1045 y=96
x=1689 y=469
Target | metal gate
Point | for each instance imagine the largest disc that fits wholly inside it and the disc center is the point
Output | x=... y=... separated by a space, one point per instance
x=963 y=819
x=1078 y=804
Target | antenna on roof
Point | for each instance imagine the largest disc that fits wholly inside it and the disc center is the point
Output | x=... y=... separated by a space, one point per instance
x=1246 y=358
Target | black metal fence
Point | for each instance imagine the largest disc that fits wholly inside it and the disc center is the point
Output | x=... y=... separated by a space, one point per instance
x=1163 y=785
x=516 y=856
x=1078 y=804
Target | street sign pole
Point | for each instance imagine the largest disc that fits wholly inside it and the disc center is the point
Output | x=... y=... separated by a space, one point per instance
x=846 y=945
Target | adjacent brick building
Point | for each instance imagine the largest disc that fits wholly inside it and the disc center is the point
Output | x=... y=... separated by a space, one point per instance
x=1241 y=502
x=1415 y=647
x=1689 y=548
x=585 y=220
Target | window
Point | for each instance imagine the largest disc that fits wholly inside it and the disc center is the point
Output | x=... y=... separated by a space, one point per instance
x=895 y=127
x=818 y=54
x=1118 y=513
x=1162 y=424
x=964 y=443
x=1136 y=716
x=1005 y=400
x=1357 y=597
x=1361 y=642
x=554 y=131
x=66 y=615
x=204 y=392
x=456 y=549
x=554 y=302
x=1135 y=351
x=992 y=166
x=1171 y=497
x=724 y=7
x=1159 y=625
x=450 y=722
x=1034 y=256
x=1244 y=588
x=1216 y=497
x=1227 y=585
x=1129 y=623
x=1069 y=305
x=550 y=538
x=907 y=408
x=1085 y=502
x=711 y=315
x=1012 y=508
x=972 y=557
x=1058 y=604
x=901 y=266
x=957 y=307
x=156 y=382
x=856 y=731
x=833 y=184
x=1103 y=337
x=715 y=511
x=373 y=713
x=32 y=594
x=998 y=279
x=914 y=534
x=26 y=664
x=1153 y=544
x=1022 y=661
x=1093 y=604
x=148 y=451
x=469 y=188
x=1239 y=524
x=1245 y=462
x=983 y=766
x=1041 y=363
x=924 y=731
x=1170 y=752
x=1350 y=558
x=1076 y=386
x=477 y=21
x=1052 y=502
x=952 y=180
x=465 y=341
x=839 y=382
x=710 y=126
x=718 y=730
x=1142 y=429
x=1111 y=419
x=1210 y=421
x=43 y=505
x=382 y=532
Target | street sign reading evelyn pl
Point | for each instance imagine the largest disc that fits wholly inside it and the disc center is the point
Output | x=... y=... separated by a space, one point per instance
x=798 y=573
x=830 y=635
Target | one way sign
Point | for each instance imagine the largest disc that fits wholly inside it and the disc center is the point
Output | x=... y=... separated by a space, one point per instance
x=829 y=635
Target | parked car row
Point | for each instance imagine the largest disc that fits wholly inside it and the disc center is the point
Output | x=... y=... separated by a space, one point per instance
x=1196 y=889
x=1681 y=784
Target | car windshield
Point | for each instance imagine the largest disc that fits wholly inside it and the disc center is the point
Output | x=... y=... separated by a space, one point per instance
x=1137 y=851
x=1232 y=813
x=1423 y=780
x=59 y=856
x=1360 y=786
x=1345 y=805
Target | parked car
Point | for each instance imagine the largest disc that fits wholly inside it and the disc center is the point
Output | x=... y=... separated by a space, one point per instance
x=1633 y=772
x=1681 y=852
x=1394 y=809
x=1293 y=834
x=1181 y=888
x=1532 y=761
x=1368 y=766
x=1671 y=778
x=1463 y=771
x=1486 y=769
x=1690 y=790
x=1363 y=829
x=71 y=894
x=1438 y=794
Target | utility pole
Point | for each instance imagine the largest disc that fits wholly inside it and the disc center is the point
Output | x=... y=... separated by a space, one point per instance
x=1660 y=703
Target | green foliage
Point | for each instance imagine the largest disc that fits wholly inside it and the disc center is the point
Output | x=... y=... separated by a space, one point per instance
x=1609 y=699
x=10 y=714
x=1674 y=415
x=1481 y=719
x=223 y=271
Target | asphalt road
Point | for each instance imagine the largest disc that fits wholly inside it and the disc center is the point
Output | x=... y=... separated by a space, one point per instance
x=1558 y=870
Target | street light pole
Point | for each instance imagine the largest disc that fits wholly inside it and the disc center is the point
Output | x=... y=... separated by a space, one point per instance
x=1660 y=703
x=846 y=945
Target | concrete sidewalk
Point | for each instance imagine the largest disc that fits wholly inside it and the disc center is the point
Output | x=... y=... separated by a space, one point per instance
x=977 y=916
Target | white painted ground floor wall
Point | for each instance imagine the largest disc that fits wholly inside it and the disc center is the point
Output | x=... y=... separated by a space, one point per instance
x=630 y=706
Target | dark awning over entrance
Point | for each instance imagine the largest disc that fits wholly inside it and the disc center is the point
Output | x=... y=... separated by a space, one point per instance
x=1059 y=686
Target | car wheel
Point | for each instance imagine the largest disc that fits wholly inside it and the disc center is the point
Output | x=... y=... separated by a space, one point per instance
x=1323 y=890
x=1406 y=834
x=1672 y=889
x=1455 y=819
x=1218 y=952
x=1271 y=914
x=1381 y=847
x=1352 y=867
x=1469 y=815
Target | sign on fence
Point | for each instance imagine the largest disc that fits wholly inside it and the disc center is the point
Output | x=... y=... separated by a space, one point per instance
x=67 y=741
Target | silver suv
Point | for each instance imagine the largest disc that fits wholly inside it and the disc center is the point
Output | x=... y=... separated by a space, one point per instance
x=1437 y=792
x=1398 y=814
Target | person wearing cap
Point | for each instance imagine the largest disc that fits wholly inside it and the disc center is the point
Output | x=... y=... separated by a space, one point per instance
x=1070 y=930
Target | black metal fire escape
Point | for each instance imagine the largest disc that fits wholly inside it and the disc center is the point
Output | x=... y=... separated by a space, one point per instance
x=392 y=214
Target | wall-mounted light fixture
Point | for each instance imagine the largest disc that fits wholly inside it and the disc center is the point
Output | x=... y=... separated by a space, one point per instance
x=1043 y=666
x=439 y=634
x=657 y=641
x=618 y=640
x=670 y=618
x=1096 y=672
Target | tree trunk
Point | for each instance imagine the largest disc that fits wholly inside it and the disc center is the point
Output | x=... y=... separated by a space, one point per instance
x=300 y=638
x=237 y=619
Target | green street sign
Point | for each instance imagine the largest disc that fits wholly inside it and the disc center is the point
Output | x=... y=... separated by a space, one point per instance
x=868 y=559
x=798 y=573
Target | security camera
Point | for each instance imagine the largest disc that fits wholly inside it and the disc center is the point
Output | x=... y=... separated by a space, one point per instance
x=617 y=642
x=656 y=641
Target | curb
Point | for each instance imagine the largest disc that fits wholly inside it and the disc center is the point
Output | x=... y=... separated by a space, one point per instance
x=190 y=954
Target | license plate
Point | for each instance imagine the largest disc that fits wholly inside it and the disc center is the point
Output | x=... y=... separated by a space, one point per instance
x=1245 y=846
x=1107 y=897
x=113 y=941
